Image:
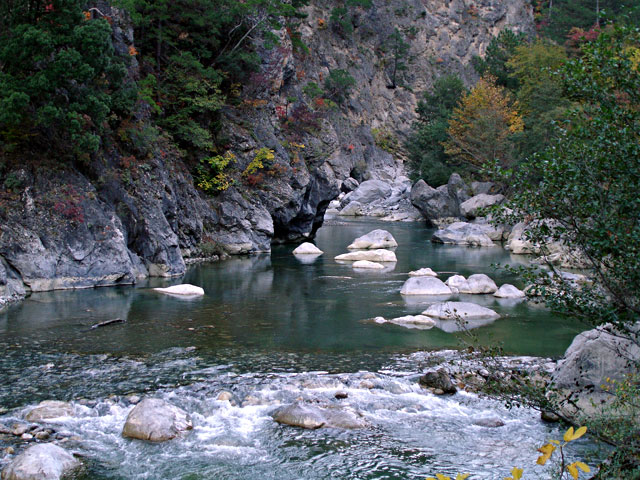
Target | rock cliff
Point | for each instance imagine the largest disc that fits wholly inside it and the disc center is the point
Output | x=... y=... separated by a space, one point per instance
x=115 y=219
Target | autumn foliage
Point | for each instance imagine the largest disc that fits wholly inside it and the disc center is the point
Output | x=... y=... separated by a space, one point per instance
x=480 y=127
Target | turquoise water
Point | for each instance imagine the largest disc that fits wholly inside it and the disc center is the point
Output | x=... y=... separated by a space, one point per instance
x=265 y=322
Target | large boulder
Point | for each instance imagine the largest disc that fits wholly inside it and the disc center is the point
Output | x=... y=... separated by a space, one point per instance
x=43 y=461
x=155 y=420
x=478 y=283
x=462 y=233
x=457 y=189
x=425 y=285
x=379 y=255
x=594 y=356
x=370 y=191
x=49 y=409
x=471 y=207
x=459 y=310
x=313 y=417
x=184 y=289
x=349 y=185
x=482 y=187
x=307 y=249
x=456 y=281
x=374 y=240
x=433 y=203
x=509 y=291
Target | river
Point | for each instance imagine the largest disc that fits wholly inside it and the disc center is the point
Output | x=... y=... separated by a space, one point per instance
x=273 y=329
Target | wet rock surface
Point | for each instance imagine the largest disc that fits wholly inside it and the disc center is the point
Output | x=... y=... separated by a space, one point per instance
x=41 y=462
x=156 y=421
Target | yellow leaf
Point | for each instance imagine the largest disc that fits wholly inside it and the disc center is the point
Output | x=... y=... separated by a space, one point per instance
x=442 y=477
x=517 y=473
x=546 y=451
x=573 y=471
x=583 y=466
x=462 y=476
x=570 y=435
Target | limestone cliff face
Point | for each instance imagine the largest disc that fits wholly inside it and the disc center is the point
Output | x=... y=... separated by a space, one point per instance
x=116 y=220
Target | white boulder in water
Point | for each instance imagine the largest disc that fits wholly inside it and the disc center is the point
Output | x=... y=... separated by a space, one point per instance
x=367 y=264
x=49 y=409
x=307 y=249
x=373 y=240
x=313 y=417
x=44 y=461
x=509 y=291
x=425 y=286
x=475 y=284
x=155 y=420
x=423 y=272
x=461 y=310
x=183 y=289
x=379 y=255
x=455 y=281
x=418 y=320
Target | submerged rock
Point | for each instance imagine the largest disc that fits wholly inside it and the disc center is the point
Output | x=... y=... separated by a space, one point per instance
x=374 y=240
x=509 y=291
x=462 y=310
x=156 y=420
x=43 y=461
x=367 y=265
x=423 y=272
x=313 y=417
x=307 y=249
x=379 y=255
x=49 y=409
x=184 y=289
x=425 y=286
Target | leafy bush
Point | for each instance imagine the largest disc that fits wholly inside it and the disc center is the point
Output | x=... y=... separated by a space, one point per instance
x=262 y=155
x=60 y=78
x=211 y=175
x=338 y=85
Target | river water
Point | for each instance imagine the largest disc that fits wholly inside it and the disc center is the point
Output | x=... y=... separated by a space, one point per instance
x=274 y=329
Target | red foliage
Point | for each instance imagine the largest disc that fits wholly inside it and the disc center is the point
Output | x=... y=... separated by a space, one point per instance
x=255 y=179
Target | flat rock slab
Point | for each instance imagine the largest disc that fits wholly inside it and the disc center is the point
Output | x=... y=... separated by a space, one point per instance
x=43 y=461
x=509 y=291
x=49 y=409
x=374 y=240
x=379 y=255
x=366 y=264
x=470 y=207
x=462 y=310
x=423 y=272
x=307 y=249
x=183 y=289
x=156 y=421
x=313 y=417
x=425 y=286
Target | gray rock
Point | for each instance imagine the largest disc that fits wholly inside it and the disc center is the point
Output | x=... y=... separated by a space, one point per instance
x=471 y=207
x=456 y=281
x=488 y=422
x=370 y=191
x=374 y=240
x=509 y=291
x=459 y=310
x=349 y=185
x=594 y=356
x=425 y=286
x=43 y=461
x=421 y=320
x=367 y=265
x=458 y=190
x=353 y=209
x=482 y=187
x=477 y=284
x=431 y=202
x=438 y=379
x=156 y=420
x=313 y=417
x=461 y=233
